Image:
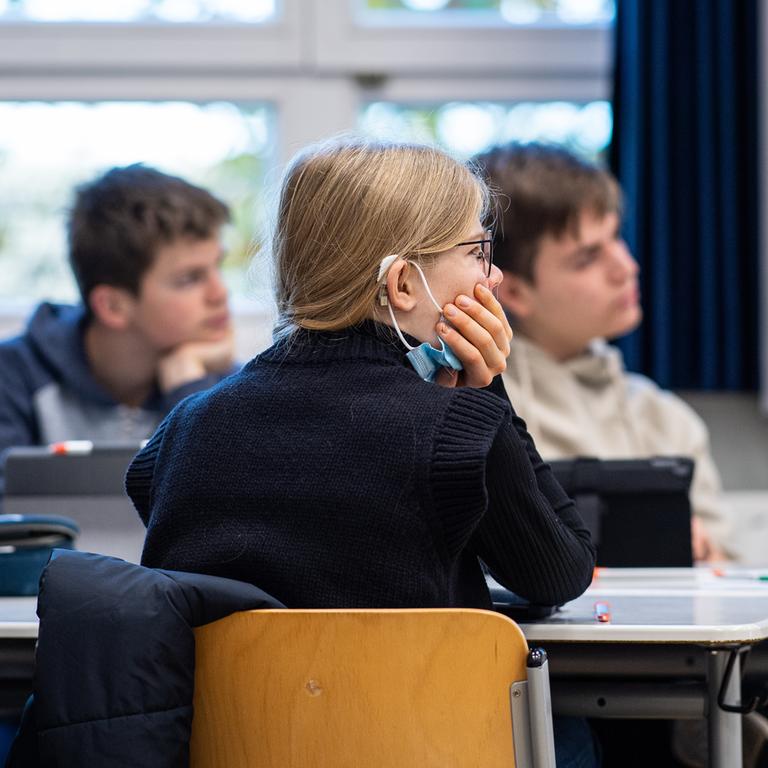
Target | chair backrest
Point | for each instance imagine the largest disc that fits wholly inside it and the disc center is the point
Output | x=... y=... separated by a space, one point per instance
x=372 y=688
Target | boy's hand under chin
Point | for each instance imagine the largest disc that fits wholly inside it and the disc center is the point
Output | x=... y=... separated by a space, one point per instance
x=479 y=335
x=194 y=360
x=704 y=549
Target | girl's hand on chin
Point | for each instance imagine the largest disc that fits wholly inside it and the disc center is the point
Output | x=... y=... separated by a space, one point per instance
x=479 y=335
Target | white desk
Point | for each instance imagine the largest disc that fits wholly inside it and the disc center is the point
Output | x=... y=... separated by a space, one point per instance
x=664 y=652
x=18 y=632
x=18 y=617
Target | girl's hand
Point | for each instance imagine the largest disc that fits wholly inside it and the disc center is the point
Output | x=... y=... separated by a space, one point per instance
x=479 y=335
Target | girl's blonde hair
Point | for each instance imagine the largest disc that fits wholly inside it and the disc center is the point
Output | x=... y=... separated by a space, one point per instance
x=348 y=203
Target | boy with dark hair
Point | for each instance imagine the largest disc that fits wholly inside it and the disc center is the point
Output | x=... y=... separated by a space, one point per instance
x=570 y=283
x=154 y=323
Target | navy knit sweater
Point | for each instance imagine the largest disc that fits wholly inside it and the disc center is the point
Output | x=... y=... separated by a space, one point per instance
x=329 y=474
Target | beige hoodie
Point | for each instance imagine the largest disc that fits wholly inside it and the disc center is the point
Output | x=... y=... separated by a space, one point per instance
x=590 y=406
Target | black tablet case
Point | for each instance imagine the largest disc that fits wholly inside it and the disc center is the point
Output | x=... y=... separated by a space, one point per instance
x=638 y=510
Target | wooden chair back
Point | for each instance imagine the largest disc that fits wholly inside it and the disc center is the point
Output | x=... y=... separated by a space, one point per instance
x=370 y=688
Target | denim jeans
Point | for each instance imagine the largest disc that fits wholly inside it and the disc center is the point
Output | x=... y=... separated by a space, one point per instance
x=575 y=745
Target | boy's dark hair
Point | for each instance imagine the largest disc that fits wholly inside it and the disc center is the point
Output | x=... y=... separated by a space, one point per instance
x=541 y=189
x=120 y=220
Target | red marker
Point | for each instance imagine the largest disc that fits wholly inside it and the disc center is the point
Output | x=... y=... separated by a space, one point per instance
x=602 y=612
x=71 y=447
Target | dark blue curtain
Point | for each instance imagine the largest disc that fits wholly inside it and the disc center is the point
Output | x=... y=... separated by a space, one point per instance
x=685 y=151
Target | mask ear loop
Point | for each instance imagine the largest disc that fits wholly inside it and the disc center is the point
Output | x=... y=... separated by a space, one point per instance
x=426 y=287
x=386 y=265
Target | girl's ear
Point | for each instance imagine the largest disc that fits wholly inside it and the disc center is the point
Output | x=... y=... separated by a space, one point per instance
x=400 y=286
x=514 y=294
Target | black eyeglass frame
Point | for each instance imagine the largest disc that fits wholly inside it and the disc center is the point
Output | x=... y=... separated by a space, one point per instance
x=489 y=257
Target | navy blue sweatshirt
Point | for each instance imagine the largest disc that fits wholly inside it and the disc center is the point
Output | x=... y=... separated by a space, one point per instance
x=330 y=475
x=48 y=392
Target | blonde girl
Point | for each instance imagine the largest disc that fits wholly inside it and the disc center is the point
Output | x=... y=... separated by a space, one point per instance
x=370 y=457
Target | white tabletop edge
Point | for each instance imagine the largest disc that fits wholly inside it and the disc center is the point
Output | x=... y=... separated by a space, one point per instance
x=13 y=629
x=614 y=633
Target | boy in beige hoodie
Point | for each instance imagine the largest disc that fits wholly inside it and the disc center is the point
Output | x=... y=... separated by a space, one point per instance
x=569 y=283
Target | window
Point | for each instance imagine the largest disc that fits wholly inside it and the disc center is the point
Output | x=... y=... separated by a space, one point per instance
x=88 y=85
x=223 y=146
x=195 y=11
x=517 y=12
x=493 y=37
x=465 y=128
x=157 y=37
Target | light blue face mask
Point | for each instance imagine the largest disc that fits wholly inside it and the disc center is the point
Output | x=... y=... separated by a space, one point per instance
x=425 y=359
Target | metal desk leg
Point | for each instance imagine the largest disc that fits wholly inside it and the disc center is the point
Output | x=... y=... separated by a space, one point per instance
x=724 y=727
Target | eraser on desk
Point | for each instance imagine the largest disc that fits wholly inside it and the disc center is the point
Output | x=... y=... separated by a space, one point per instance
x=602 y=612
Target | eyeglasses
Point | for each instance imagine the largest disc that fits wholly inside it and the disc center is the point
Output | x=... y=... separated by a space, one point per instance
x=487 y=249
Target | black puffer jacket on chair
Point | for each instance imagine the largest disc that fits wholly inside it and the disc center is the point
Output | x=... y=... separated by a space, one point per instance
x=114 y=672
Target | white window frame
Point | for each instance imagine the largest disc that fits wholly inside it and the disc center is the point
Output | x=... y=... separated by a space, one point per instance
x=427 y=91
x=95 y=48
x=343 y=45
x=293 y=98
x=314 y=65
